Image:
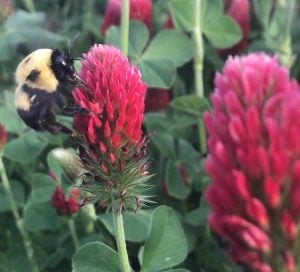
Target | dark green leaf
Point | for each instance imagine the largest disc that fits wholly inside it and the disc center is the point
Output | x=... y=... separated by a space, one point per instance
x=167 y=50
x=42 y=187
x=263 y=11
x=21 y=18
x=159 y=73
x=182 y=14
x=198 y=216
x=8 y=114
x=170 y=45
x=18 y=192
x=136 y=225
x=54 y=165
x=178 y=270
x=138 y=37
x=190 y=159
x=158 y=125
x=211 y=10
x=26 y=148
x=164 y=143
x=157 y=122
x=190 y=104
x=95 y=257
x=40 y=216
x=166 y=245
x=222 y=32
x=18 y=258
x=175 y=182
x=4 y=49
x=4 y=262
x=23 y=27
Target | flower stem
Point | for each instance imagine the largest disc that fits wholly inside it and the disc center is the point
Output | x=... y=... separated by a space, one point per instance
x=29 y=4
x=285 y=47
x=120 y=238
x=19 y=221
x=73 y=232
x=198 y=68
x=125 y=27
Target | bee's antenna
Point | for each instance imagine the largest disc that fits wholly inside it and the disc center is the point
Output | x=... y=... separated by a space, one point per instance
x=72 y=43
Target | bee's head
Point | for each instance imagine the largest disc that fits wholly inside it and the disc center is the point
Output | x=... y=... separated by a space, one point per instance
x=63 y=66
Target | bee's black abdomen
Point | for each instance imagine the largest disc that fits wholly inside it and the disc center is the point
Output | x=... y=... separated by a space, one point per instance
x=31 y=119
x=40 y=102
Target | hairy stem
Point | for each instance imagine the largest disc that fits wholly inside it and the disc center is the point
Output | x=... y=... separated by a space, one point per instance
x=125 y=27
x=198 y=68
x=73 y=232
x=120 y=238
x=29 y=4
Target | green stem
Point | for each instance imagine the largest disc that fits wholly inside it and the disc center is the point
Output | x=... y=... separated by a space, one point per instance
x=198 y=68
x=29 y=4
x=73 y=232
x=120 y=238
x=13 y=206
x=285 y=48
x=125 y=27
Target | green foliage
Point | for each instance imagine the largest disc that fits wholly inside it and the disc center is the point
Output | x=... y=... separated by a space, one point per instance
x=221 y=30
x=18 y=192
x=159 y=58
x=136 y=225
x=166 y=245
x=173 y=234
x=95 y=257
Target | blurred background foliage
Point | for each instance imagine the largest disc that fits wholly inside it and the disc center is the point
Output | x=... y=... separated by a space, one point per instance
x=164 y=53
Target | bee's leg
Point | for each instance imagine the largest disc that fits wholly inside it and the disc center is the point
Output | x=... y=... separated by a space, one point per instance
x=50 y=124
x=55 y=128
x=67 y=108
x=71 y=109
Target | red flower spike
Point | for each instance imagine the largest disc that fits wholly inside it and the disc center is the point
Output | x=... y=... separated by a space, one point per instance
x=63 y=205
x=254 y=161
x=289 y=262
x=3 y=136
x=140 y=10
x=257 y=212
x=288 y=226
x=111 y=123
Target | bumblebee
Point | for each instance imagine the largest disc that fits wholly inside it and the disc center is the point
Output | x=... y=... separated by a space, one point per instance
x=42 y=78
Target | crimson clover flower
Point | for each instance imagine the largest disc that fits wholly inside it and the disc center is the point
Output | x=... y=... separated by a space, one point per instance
x=3 y=137
x=254 y=162
x=140 y=10
x=112 y=147
x=65 y=205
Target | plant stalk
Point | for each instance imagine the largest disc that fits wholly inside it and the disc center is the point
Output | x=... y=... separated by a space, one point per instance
x=285 y=48
x=125 y=27
x=117 y=213
x=19 y=221
x=120 y=238
x=29 y=4
x=198 y=68
x=73 y=232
